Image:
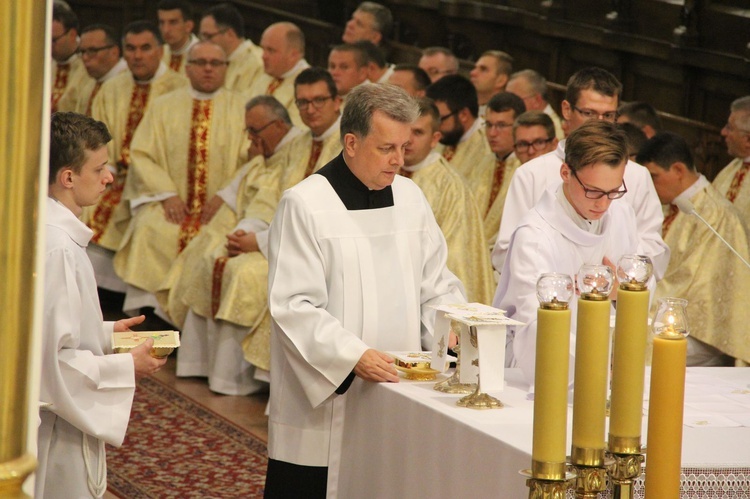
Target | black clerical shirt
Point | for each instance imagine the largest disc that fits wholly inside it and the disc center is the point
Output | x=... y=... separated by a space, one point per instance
x=353 y=193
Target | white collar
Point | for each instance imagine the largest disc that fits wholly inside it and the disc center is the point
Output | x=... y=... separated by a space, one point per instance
x=431 y=158
x=161 y=71
x=691 y=191
x=114 y=71
x=58 y=215
x=301 y=64
x=195 y=94
x=592 y=226
x=292 y=134
x=330 y=131
x=473 y=128
x=192 y=40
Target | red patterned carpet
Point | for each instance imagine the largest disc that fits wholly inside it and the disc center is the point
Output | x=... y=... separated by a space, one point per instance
x=177 y=448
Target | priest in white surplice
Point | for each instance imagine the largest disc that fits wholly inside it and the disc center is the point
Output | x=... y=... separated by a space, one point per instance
x=355 y=261
x=89 y=388
x=572 y=224
x=592 y=93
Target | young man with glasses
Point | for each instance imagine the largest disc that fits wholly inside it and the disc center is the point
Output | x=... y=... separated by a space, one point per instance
x=593 y=94
x=188 y=146
x=502 y=111
x=573 y=223
x=734 y=179
x=100 y=51
x=533 y=135
x=223 y=25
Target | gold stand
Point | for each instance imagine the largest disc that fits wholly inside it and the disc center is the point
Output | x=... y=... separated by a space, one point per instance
x=24 y=123
x=453 y=384
x=591 y=472
x=479 y=400
x=548 y=480
x=627 y=458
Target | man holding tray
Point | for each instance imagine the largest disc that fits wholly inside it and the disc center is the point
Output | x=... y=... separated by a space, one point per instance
x=89 y=389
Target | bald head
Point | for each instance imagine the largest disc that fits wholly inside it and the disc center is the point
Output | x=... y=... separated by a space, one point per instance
x=283 y=46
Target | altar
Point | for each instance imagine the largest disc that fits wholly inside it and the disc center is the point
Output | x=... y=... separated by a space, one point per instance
x=407 y=440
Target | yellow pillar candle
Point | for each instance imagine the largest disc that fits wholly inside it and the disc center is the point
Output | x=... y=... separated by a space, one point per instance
x=665 y=413
x=628 y=367
x=550 y=393
x=590 y=382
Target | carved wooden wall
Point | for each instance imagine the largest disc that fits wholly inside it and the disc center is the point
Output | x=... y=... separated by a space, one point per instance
x=689 y=58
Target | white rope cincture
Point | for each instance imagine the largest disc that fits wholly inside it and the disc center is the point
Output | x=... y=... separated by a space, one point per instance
x=97 y=483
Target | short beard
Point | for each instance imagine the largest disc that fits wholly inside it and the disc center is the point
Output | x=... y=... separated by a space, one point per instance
x=451 y=138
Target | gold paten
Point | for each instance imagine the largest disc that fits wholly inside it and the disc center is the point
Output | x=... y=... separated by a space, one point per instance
x=418 y=373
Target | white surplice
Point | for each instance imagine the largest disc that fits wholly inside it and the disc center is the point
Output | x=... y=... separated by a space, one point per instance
x=549 y=240
x=341 y=282
x=91 y=390
x=534 y=177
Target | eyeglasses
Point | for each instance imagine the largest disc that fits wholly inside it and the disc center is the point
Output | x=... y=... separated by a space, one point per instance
x=56 y=39
x=207 y=37
x=317 y=102
x=591 y=114
x=499 y=126
x=92 y=51
x=537 y=144
x=443 y=118
x=598 y=193
x=214 y=63
x=252 y=131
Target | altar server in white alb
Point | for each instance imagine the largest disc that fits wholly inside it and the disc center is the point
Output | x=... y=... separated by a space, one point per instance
x=89 y=389
x=592 y=94
x=355 y=261
x=572 y=224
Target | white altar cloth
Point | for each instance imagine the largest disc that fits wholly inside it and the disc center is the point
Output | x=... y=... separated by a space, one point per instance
x=407 y=440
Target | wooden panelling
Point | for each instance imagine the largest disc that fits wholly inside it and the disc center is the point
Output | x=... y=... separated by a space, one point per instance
x=691 y=79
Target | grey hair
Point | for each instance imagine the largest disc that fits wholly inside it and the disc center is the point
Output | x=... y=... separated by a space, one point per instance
x=364 y=100
x=274 y=107
x=742 y=105
x=536 y=81
x=382 y=16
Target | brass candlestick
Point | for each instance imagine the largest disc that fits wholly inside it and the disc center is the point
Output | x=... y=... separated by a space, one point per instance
x=548 y=480
x=478 y=399
x=453 y=384
x=590 y=468
x=627 y=456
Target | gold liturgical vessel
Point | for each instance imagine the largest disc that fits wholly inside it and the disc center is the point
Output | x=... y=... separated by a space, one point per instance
x=453 y=384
